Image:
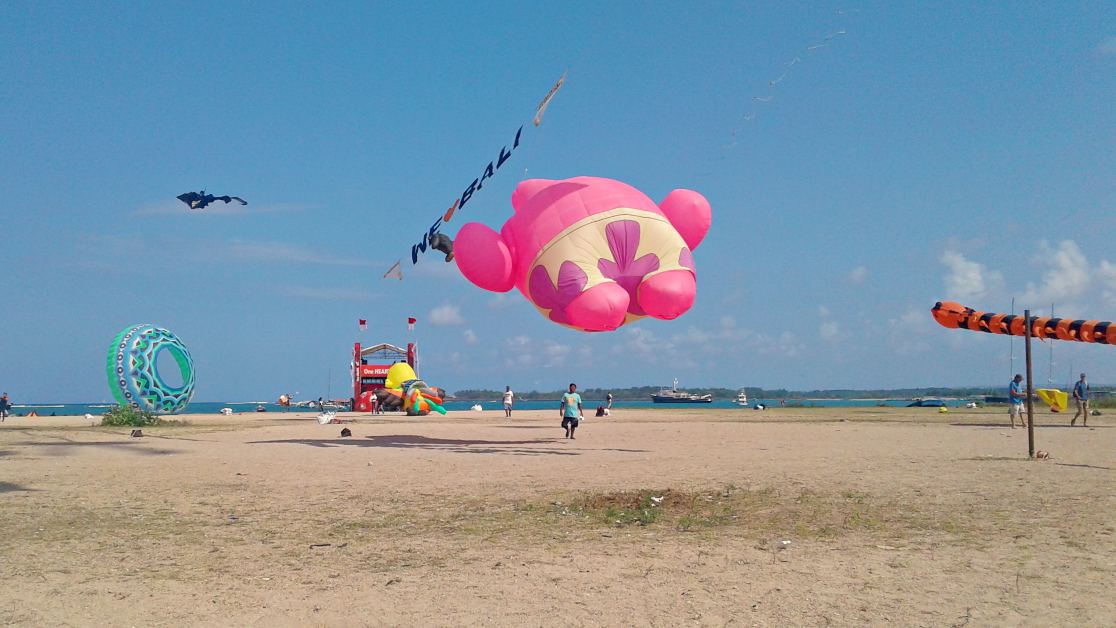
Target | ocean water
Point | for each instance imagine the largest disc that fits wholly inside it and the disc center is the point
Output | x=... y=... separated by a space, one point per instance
x=214 y=407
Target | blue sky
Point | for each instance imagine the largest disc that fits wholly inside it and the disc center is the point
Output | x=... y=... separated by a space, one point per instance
x=930 y=152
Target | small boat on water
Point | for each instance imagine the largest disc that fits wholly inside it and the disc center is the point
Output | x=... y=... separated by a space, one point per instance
x=742 y=398
x=673 y=395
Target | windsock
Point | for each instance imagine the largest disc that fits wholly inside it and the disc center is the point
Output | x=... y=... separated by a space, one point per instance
x=956 y=316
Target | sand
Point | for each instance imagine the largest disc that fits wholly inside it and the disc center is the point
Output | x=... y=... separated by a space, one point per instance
x=805 y=517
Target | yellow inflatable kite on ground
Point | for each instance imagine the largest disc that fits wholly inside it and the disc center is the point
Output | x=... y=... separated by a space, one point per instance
x=403 y=387
x=398 y=373
x=1056 y=399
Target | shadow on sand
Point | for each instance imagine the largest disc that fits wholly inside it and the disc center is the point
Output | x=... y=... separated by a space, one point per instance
x=1037 y=425
x=8 y=487
x=455 y=445
x=1084 y=466
x=124 y=445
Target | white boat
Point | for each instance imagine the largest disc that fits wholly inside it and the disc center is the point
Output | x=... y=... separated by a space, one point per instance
x=673 y=395
x=742 y=398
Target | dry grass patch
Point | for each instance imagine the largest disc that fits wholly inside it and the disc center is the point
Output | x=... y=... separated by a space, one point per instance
x=761 y=512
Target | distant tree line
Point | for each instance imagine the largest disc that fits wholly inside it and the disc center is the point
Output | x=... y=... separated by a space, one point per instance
x=643 y=393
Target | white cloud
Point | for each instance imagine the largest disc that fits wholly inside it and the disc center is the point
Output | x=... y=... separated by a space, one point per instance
x=555 y=353
x=470 y=337
x=693 y=346
x=430 y=267
x=909 y=332
x=787 y=345
x=830 y=331
x=639 y=343
x=525 y=352
x=858 y=274
x=321 y=294
x=271 y=252
x=500 y=301
x=1107 y=47
x=968 y=279
x=1107 y=274
x=1066 y=276
x=446 y=315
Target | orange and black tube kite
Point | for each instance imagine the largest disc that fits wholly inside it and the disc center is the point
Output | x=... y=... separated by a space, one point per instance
x=957 y=316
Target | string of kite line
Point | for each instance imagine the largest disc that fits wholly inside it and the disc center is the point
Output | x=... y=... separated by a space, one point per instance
x=432 y=238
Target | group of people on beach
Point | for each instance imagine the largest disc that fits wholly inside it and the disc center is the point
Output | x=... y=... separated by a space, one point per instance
x=570 y=409
x=1017 y=396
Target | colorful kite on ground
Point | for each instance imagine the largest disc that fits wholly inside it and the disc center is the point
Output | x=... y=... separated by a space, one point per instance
x=133 y=370
x=1058 y=400
x=403 y=390
x=591 y=253
x=956 y=316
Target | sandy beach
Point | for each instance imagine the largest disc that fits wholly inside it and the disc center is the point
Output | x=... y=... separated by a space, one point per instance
x=806 y=517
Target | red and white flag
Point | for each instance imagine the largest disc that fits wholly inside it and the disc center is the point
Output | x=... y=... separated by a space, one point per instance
x=411 y=320
x=363 y=324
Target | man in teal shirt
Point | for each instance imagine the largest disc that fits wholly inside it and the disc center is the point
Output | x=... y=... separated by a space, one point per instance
x=571 y=410
x=1016 y=397
x=1081 y=396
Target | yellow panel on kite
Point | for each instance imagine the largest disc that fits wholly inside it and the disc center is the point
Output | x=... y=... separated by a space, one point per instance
x=399 y=373
x=1056 y=399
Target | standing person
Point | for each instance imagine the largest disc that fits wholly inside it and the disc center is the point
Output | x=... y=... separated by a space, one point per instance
x=375 y=401
x=1081 y=396
x=1015 y=401
x=5 y=407
x=509 y=398
x=608 y=401
x=571 y=410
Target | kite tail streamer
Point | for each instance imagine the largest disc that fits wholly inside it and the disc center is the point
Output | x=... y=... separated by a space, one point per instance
x=956 y=316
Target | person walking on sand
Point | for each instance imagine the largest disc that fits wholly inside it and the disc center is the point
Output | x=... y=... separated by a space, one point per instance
x=1081 y=396
x=608 y=401
x=509 y=399
x=5 y=407
x=571 y=410
x=1015 y=401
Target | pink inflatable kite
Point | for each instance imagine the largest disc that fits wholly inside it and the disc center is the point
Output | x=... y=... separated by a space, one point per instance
x=591 y=253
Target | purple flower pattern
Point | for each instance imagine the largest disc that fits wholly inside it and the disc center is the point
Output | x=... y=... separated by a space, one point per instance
x=623 y=241
x=686 y=259
x=571 y=283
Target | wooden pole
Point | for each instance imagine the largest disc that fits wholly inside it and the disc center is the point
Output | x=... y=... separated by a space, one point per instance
x=1030 y=391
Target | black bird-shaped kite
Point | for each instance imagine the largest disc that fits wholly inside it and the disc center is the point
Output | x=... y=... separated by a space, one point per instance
x=198 y=200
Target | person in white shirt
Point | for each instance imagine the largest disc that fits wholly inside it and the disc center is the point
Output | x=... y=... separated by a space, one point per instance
x=509 y=398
